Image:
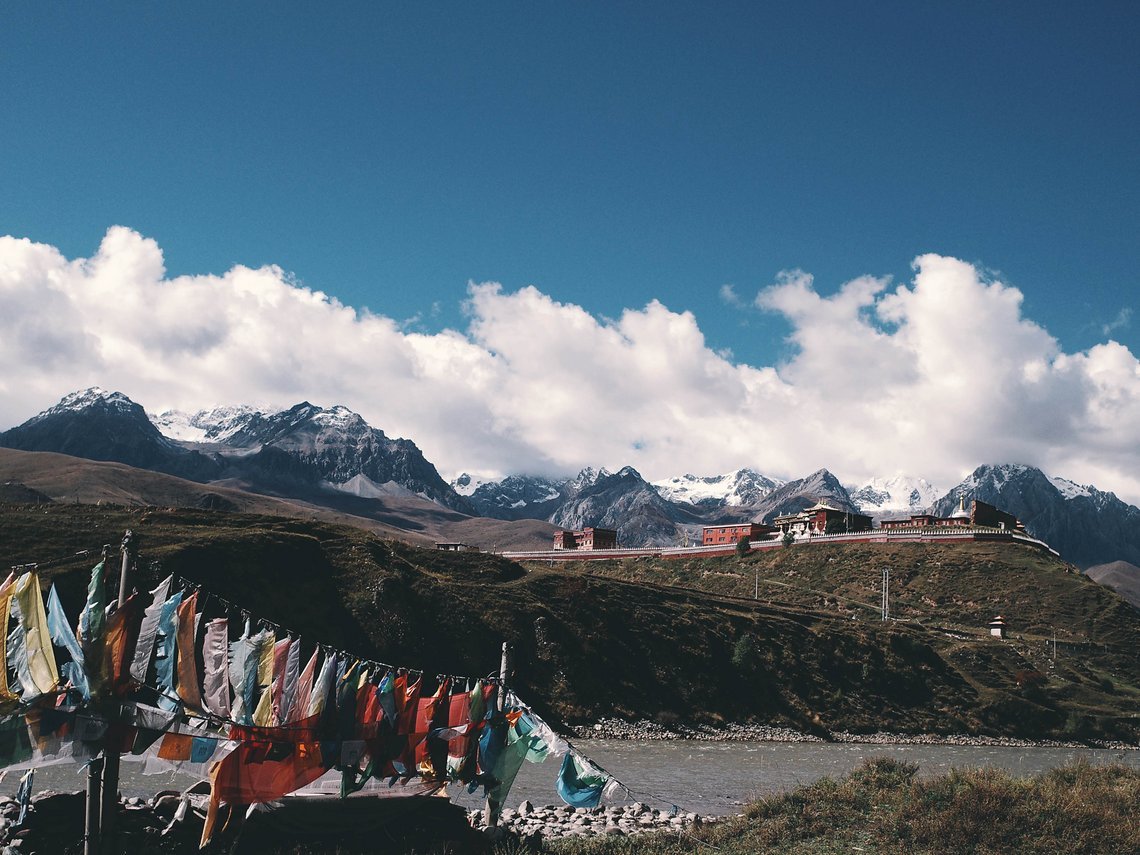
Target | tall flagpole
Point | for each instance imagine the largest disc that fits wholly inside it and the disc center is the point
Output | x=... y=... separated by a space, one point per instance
x=110 y=802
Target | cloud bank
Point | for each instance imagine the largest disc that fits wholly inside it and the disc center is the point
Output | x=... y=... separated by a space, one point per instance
x=931 y=377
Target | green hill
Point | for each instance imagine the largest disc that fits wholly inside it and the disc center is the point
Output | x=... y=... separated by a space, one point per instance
x=673 y=641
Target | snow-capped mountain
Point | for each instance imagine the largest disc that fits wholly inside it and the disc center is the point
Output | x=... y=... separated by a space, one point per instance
x=101 y=425
x=300 y=452
x=335 y=448
x=94 y=397
x=647 y=514
x=1086 y=525
x=332 y=455
x=741 y=488
x=900 y=495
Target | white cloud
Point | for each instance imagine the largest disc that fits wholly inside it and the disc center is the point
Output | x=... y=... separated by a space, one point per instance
x=1123 y=320
x=729 y=297
x=930 y=377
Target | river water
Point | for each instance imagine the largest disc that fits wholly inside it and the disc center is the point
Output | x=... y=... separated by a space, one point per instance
x=711 y=778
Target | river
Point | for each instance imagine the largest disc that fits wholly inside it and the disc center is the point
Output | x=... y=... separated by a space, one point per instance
x=711 y=778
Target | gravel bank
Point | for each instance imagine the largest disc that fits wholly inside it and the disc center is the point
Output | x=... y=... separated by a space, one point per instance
x=613 y=728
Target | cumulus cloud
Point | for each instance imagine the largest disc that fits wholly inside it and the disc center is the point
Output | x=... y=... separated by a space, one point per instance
x=929 y=377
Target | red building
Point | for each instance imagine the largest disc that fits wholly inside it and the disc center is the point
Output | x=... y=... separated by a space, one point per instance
x=587 y=538
x=717 y=535
x=823 y=519
x=981 y=515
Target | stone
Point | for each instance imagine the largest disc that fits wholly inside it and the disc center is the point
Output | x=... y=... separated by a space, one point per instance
x=495 y=834
x=526 y=808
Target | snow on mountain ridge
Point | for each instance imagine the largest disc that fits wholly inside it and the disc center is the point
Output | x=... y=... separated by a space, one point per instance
x=1070 y=489
x=466 y=484
x=732 y=489
x=897 y=494
x=214 y=425
x=338 y=417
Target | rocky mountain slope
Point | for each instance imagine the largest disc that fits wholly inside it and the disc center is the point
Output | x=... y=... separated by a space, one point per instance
x=305 y=451
x=795 y=496
x=623 y=501
x=516 y=497
x=332 y=457
x=102 y=425
x=1120 y=576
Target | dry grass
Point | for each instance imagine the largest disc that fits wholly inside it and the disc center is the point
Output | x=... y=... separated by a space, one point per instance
x=882 y=807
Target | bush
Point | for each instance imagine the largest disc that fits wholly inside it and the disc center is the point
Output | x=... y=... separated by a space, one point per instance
x=746 y=654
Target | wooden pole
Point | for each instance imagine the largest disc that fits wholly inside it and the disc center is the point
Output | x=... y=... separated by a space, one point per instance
x=504 y=674
x=91 y=825
x=493 y=807
x=128 y=549
x=91 y=817
x=109 y=807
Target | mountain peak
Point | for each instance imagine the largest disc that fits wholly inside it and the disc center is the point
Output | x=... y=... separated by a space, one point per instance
x=337 y=417
x=90 y=397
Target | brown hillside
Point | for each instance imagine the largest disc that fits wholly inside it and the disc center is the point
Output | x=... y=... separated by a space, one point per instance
x=590 y=646
x=73 y=479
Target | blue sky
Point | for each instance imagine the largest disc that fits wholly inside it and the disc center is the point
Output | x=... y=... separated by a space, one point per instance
x=607 y=154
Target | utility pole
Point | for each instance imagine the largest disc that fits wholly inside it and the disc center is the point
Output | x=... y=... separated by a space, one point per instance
x=886 y=614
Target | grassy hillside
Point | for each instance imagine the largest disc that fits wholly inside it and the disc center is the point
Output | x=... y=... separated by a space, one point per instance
x=627 y=641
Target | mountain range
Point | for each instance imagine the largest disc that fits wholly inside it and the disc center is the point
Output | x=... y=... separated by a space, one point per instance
x=331 y=457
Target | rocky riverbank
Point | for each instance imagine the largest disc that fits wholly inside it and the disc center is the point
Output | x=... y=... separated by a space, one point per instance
x=529 y=822
x=171 y=822
x=613 y=728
